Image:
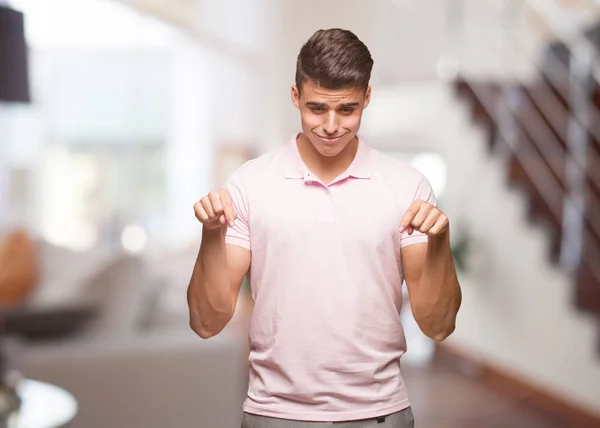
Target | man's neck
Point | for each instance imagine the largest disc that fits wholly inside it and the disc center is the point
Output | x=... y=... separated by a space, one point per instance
x=327 y=168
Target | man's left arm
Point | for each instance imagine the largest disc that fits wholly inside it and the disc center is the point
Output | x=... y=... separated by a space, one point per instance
x=429 y=272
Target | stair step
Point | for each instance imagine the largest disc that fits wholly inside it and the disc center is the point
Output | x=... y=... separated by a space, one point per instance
x=587 y=291
x=550 y=109
x=539 y=208
x=483 y=97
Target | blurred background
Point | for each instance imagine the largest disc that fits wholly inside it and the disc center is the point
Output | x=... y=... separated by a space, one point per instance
x=116 y=116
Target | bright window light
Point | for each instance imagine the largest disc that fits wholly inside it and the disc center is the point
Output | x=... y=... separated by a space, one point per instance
x=134 y=239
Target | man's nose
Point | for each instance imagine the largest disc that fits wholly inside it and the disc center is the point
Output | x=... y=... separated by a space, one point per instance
x=331 y=125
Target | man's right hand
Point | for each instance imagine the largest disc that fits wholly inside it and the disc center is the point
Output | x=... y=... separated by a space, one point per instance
x=215 y=210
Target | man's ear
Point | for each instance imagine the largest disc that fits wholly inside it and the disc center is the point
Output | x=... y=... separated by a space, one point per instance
x=296 y=96
x=367 y=96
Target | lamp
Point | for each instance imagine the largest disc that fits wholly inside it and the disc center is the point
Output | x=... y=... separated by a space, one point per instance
x=14 y=75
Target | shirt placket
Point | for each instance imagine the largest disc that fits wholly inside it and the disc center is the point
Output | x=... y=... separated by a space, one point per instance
x=326 y=202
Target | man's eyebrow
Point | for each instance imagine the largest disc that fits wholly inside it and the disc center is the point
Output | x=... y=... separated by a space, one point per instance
x=315 y=104
x=344 y=105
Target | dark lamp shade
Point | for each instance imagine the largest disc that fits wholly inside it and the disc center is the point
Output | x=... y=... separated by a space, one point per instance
x=14 y=74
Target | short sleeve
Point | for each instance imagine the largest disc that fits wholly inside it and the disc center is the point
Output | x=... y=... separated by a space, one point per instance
x=239 y=234
x=423 y=192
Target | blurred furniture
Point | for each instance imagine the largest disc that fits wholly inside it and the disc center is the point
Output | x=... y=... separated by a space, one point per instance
x=136 y=362
x=44 y=406
x=152 y=380
x=47 y=323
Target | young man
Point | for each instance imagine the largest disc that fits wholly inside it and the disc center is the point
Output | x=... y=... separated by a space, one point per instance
x=327 y=229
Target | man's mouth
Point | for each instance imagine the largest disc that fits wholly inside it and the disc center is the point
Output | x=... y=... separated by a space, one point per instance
x=330 y=140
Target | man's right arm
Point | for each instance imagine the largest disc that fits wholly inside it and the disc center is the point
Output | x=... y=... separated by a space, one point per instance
x=219 y=269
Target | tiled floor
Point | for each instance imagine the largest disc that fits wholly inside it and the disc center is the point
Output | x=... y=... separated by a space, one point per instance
x=442 y=398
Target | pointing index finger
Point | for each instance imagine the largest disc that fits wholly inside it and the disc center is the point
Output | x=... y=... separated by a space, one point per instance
x=228 y=208
x=408 y=216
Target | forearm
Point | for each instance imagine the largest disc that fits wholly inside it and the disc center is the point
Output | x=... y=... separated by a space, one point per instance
x=439 y=296
x=209 y=294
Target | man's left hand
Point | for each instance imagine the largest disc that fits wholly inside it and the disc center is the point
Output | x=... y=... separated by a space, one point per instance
x=425 y=218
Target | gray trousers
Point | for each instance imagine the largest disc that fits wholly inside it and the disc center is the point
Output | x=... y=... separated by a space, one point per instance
x=402 y=419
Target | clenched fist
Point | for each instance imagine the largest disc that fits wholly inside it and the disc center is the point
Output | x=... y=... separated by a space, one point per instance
x=425 y=218
x=216 y=210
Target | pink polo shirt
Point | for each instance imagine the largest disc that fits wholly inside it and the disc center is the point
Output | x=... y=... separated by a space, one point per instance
x=325 y=335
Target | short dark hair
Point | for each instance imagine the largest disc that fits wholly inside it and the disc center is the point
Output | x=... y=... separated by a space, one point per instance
x=334 y=59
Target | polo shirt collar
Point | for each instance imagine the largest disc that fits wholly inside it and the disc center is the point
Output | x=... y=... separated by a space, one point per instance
x=361 y=166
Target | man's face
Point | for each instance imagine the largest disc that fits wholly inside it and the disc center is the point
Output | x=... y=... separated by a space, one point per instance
x=330 y=118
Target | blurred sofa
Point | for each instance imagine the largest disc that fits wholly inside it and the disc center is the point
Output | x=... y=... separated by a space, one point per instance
x=135 y=362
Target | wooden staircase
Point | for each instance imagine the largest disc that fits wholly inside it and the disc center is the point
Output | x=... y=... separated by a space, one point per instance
x=536 y=163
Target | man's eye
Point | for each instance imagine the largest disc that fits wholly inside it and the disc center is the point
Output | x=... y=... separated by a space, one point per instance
x=347 y=110
x=317 y=109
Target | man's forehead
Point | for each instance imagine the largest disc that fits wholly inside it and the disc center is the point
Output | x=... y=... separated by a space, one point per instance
x=333 y=96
